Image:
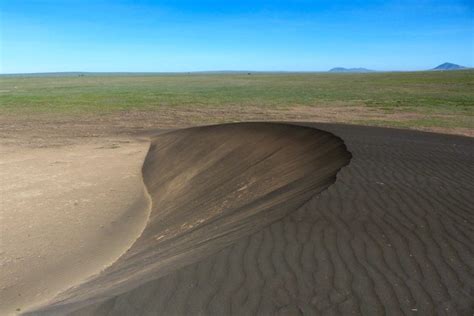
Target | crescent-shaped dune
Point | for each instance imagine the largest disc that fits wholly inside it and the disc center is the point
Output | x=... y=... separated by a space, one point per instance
x=392 y=236
x=210 y=187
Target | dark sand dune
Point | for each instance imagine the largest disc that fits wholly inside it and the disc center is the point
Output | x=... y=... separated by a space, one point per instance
x=210 y=187
x=394 y=235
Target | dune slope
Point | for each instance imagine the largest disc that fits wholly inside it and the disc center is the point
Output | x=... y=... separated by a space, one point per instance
x=394 y=235
x=211 y=186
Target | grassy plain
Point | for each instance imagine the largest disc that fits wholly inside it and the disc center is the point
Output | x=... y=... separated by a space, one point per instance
x=439 y=101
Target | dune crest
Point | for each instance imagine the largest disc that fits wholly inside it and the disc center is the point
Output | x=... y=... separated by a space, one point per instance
x=211 y=186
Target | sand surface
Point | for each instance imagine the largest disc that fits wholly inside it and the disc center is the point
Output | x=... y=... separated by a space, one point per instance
x=392 y=235
x=211 y=186
x=66 y=213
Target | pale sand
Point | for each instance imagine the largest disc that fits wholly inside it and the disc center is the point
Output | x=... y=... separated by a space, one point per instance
x=65 y=214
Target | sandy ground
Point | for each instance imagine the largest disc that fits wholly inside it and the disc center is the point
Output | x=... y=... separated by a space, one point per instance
x=393 y=235
x=66 y=213
x=211 y=186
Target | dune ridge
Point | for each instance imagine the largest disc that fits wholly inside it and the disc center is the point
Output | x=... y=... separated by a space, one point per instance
x=392 y=236
x=211 y=186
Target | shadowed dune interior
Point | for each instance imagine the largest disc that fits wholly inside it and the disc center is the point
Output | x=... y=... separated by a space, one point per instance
x=211 y=186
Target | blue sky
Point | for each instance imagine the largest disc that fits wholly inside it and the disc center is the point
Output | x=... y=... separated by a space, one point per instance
x=300 y=35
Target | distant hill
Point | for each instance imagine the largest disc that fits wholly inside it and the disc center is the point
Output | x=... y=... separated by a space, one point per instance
x=341 y=69
x=449 y=66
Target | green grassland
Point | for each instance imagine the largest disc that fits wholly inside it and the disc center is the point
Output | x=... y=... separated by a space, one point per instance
x=440 y=99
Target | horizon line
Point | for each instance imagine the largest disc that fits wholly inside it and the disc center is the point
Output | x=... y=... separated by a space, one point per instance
x=223 y=71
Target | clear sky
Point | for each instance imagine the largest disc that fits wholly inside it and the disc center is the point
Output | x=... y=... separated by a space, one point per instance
x=300 y=35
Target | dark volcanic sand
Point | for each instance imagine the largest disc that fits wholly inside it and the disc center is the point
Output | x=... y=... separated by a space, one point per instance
x=394 y=235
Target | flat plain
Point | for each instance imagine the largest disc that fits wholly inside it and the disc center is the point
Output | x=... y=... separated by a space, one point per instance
x=440 y=101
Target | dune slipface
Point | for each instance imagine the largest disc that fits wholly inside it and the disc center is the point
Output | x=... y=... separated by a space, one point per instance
x=211 y=186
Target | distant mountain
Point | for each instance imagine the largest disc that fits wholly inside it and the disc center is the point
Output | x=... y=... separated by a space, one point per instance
x=341 y=69
x=449 y=66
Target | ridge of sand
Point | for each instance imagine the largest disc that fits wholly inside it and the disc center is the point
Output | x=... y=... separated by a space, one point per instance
x=66 y=213
x=392 y=236
x=211 y=186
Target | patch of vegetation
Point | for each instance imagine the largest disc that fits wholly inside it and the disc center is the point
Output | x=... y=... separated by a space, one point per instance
x=427 y=93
